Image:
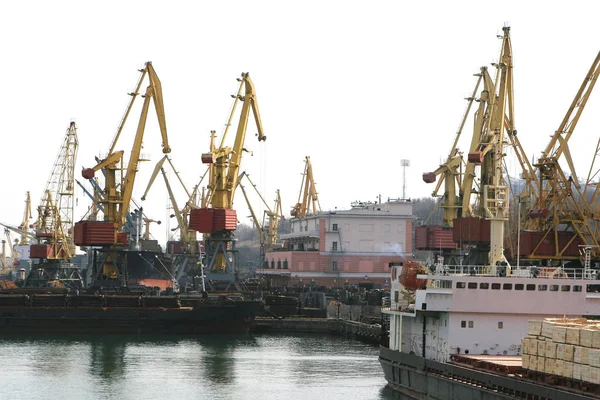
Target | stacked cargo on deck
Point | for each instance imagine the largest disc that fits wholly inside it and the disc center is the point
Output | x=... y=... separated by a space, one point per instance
x=567 y=347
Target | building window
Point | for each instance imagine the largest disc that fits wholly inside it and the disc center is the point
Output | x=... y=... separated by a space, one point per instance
x=470 y=324
x=333 y=246
x=285 y=264
x=463 y=324
x=278 y=264
x=396 y=295
x=445 y=284
x=272 y=264
x=500 y=325
x=334 y=227
x=334 y=265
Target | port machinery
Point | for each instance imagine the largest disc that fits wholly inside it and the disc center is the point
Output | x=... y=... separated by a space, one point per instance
x=54 y=246
x=554 y=215
x=107 y=237
x=216 y=218
x=480 y=193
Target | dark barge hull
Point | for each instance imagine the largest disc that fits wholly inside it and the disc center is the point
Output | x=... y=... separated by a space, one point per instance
x=210 y=317
x=423 y=379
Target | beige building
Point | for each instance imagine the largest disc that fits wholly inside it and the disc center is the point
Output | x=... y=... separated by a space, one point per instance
x=343 y=247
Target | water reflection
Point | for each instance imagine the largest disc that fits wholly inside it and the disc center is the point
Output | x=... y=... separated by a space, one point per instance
x=294 y=367
x=107 y=358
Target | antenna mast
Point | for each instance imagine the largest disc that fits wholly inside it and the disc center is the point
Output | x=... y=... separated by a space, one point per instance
x=404 y=164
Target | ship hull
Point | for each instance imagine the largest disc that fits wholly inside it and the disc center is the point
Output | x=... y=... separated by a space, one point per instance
x=424 y=379
x=217 y=317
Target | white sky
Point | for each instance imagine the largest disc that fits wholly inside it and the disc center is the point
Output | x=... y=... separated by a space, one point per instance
x=357 y=86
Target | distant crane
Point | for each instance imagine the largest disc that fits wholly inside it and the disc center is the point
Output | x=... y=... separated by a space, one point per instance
x=272 y=217
x=147 y=222
x=14 y=255
x=308 y=199
x=267 y=229
x=24 y=227
x=185 y=251
x=54 y=226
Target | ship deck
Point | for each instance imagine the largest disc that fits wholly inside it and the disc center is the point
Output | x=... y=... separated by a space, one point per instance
x=502 y=364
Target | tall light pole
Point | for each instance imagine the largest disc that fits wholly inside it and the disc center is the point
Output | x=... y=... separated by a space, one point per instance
x=404 y=164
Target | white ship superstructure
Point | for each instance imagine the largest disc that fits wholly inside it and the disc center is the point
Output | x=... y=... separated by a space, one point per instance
x=466 y=310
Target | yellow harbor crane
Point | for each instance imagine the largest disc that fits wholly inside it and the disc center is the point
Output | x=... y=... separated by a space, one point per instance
x=272 y=218
x=308 y=199
x=217 y=219
x=188 y=241
x=14 y=255
x=54 y=226
x=450 y=172
x=3 y=262
x=54 y=231
x=262 y=237
x=475 y=190
x=24 y=227
x=267 y=229
x=562 y=210
x=185 y=251
x=117 y=193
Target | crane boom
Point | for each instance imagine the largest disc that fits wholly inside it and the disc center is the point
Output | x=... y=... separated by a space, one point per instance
x=116 y=204
x=227 y=160
x=559 y=141
x=259 y=228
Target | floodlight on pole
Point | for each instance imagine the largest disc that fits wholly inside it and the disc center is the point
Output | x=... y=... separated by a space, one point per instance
x=404 y=164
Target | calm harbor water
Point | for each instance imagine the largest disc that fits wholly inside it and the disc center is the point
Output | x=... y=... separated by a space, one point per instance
x=253 y=366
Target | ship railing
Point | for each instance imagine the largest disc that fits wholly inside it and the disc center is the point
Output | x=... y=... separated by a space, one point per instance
x=517 y=272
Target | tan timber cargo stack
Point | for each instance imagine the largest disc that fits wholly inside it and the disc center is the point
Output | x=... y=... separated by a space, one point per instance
x=567 y=347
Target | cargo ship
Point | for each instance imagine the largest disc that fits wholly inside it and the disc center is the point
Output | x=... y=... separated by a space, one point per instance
x=23 y=311
x=147 y=266
x=456 y=332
